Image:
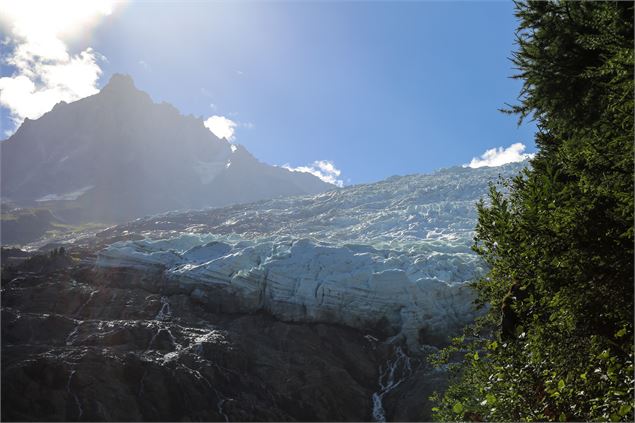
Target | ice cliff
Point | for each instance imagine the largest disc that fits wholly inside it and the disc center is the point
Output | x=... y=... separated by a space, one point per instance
x=393 y=256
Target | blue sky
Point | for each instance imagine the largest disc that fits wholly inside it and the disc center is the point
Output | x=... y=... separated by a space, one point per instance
x=378 y=89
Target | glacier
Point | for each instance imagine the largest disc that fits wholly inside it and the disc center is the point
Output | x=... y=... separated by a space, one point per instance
x=393 y=256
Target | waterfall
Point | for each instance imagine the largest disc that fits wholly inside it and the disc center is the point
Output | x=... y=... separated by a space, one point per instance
x=141 y=385
x=71 y=336
x=165 y=313
x=81 y=308
x=167 y=330
x=221 y=398
x=397 y=369
x=152 y=339
x=173 y=340
x=219 y=406
x=68 y=390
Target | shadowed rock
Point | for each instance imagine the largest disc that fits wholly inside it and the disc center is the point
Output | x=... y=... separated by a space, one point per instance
x=117 y=155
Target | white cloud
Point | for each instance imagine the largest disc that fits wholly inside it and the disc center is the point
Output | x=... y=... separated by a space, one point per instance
x=500 y=156
x=44 y=71
x=323 y=169
x=221 y=127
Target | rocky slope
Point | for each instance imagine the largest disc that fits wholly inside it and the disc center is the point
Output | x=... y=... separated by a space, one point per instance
x=87 y=345
x=25 y=225
x=117 y=155
x=310 y=308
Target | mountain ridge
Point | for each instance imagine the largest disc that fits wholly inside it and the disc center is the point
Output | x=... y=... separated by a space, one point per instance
x=117 y=155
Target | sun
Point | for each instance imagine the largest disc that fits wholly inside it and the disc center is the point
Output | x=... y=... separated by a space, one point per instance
x=38 y=21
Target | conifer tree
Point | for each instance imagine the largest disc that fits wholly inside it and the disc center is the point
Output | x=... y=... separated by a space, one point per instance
x=561 y=233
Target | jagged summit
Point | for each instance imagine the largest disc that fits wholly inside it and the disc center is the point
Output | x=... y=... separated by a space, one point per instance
x=122 y=90
x=117 y=155
x=120 y=82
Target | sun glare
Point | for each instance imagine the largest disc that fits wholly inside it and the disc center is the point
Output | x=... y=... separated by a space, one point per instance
x=39 y=20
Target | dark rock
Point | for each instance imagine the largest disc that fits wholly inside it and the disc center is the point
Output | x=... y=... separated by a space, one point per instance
x=116 y=346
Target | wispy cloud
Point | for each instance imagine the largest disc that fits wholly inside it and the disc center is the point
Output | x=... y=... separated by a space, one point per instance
x=206 y=92
x=500 y=156
x=221 y=126
x=323 y=169
x=44 y=71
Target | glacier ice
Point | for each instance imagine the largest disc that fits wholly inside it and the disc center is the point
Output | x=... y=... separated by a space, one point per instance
x=393 y=255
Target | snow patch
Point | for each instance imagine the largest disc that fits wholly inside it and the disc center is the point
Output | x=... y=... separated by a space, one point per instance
x=69 y=196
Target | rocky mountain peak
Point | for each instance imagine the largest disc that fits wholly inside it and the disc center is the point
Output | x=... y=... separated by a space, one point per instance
x=118 y=155
x=121 y=83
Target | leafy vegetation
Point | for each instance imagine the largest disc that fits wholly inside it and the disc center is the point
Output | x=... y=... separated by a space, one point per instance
x=24 y=225
x=561 y=233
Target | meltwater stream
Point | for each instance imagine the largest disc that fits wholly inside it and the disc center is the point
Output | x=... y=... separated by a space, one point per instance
x=80 y=410
x=396 y=370
x=165 y=313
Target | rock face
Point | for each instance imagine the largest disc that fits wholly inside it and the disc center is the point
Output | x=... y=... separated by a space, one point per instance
x=117 y=155
x=88 y=345
x=25 y=225
x=392 y=256
x=315 y=308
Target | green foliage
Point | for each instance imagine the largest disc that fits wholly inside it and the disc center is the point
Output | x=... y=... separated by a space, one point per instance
x=563 y=229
